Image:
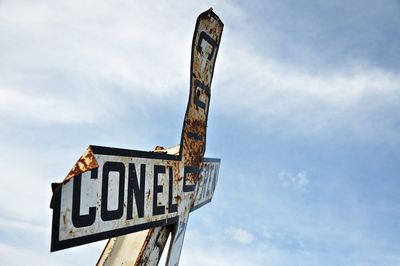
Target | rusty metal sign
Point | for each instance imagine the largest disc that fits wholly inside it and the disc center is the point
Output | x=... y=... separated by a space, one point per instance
x=113 y=192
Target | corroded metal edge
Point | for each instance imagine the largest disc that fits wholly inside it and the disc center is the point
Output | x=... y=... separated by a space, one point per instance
x=173 y=150
x=122 y=250
x=106 y=251
x=145 y=244
x=153 y=246
x=208 y=28
x=85 y=163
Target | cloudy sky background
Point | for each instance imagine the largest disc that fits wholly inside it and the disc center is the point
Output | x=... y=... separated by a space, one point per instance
x=304 y=113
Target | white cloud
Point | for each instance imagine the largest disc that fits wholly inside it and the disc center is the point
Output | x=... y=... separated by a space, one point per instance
x=11 y=255
x=64 y=61
x=11 y=224
x=314 y=243
x=298 y=180
x=25 y=253
x=25 y=107
x=58 y=56
x=24 y=242
x=286 y=98
x=240 y=235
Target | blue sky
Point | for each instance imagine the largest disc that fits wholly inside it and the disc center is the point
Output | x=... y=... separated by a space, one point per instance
x=304 y=114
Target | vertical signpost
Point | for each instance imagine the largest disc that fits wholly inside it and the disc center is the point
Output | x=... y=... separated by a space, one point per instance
x=112 y=192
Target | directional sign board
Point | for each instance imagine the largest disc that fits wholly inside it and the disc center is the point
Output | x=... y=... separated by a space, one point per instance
x=112 y=192
x=129 y=191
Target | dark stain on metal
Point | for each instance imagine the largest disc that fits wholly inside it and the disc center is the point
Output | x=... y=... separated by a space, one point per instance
x=178 y=198
x=148 y=194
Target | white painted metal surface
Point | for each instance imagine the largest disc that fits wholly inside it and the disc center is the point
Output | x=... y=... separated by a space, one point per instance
x=126 y=194
x=108 y=192
x=123 y=250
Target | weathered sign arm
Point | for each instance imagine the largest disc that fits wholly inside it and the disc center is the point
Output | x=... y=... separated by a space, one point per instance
x=113 y=192
x=205 y=44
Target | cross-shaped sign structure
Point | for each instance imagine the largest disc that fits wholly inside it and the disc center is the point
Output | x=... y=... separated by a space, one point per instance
x=111 y=192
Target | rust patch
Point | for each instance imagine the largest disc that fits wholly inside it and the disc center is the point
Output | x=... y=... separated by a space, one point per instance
x=85 y=163
x=106 y=252
x=148 y=194
x=178 y=199
x=195 y=123
x=177 y=176
x=142 y=251
x=160 y=149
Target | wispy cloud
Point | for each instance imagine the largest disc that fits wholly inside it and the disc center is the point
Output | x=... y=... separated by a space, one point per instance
x=63 y=62
x=114 y=49
x=240 y=235
x=11 y=224
x=298 y=180
x=30 y=107
x=287 y=98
